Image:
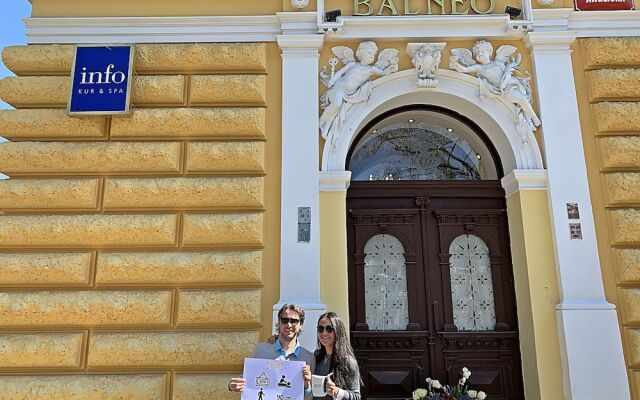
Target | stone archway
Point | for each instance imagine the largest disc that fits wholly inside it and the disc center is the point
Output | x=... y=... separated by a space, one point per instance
x=455 y=91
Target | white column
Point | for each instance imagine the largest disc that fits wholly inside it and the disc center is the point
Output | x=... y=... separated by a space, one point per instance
x=589 y=333
x=300 y=261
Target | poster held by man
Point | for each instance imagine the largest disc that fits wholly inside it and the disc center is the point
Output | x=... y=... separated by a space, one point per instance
x=272 y=380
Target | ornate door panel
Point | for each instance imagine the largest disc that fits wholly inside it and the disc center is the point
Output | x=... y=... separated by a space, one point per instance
x=431 y=288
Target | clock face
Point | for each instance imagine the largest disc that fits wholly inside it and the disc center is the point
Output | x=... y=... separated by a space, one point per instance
x=300 y=3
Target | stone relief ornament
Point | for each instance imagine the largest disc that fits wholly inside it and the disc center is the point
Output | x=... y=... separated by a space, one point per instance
x=351 y=84
x=299 y=3
x=497 y=78
x=426 y=58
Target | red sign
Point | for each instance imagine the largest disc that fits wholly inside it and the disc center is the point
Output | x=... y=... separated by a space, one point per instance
x=603 y=5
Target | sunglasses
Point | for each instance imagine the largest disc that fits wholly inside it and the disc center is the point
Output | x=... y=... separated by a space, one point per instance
x=328 y=329
x=292 y=321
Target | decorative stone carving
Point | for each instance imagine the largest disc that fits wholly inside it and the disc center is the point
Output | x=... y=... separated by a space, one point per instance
x=299 y=3
x=426 y=58
x=496 y=78
x=351 y=84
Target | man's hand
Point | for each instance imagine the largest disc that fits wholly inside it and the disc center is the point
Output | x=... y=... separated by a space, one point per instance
x=236 y=384
x=306 y=375
x=331 y=388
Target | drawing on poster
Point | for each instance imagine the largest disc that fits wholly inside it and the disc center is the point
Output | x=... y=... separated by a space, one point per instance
x=284 y=382
x=262 y=380
x=273 y=380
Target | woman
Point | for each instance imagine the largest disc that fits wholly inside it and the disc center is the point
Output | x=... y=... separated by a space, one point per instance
x=335 y=355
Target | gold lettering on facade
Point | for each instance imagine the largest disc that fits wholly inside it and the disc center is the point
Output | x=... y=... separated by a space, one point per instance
x=407 y=8
x=454 y=7
x=474 y=7
x=388 y=4
x=358 y=3
x=438 y=2
x=454 y=10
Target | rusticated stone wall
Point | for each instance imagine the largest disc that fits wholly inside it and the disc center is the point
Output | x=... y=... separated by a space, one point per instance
x=613 y=81
x=132 y=247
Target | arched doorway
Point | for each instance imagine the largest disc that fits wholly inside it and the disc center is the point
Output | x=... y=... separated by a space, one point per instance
x=430 y=275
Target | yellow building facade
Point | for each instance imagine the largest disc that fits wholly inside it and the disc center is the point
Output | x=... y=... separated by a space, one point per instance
x=142 y=256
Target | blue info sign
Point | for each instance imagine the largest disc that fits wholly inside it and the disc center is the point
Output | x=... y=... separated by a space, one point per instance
x=101 y=80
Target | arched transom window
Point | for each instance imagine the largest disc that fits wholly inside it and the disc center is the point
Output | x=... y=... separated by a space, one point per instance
x=471 y=284
x=421 y=145
x=385 y=277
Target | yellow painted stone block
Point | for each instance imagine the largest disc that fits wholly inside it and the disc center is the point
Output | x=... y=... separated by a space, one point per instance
x=223 y=229
x=620 y=152
x=226 y=157
x=630 y=305
x=617 y=116
x=219 y=306
x=231 y=89
x=635 y=381
x=614 y=83
x=202 y=387
x=170 y=349
x=627 y=262
x=54 y=90
x=35 y=90
x=244 y=192
x=79 y=158
x=52 y=194
x=48 y=124
x=163 y=89
x=633 y=346
x=83 y=387
x=45 y=268
x=236 y=123
x=180 y=268
x=201 y=57
x=22 y=350
x=622 y=188
x=87 y=230
x=611 y=52
x=625 y=225
x=85 y=308
x=38 y=59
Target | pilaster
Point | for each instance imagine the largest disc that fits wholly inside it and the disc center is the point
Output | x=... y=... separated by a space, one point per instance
x=590 y=339
x=300 y=260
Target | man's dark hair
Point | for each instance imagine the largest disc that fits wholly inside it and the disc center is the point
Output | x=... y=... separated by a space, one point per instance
x=291 y=307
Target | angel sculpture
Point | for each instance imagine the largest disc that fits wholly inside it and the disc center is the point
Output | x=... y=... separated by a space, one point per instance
x=496 y=78
x=351 y=84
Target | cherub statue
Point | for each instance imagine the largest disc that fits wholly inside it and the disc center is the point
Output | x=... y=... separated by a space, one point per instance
x=351 y=84
x=496 y=78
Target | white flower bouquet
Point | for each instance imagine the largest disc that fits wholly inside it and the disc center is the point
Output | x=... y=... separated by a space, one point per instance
x=436 y=391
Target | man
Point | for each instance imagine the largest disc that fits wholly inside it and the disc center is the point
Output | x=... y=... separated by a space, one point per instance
x=286 y=347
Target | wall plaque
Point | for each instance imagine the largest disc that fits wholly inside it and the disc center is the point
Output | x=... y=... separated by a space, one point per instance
x=100 y=80
x=603 y=5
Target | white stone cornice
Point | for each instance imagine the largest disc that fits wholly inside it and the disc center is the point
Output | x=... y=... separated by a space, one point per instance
x=297 y=23
x=334 y=181
x=188 y=29
x=524 y=179
x=550 y=41
x=587 y=24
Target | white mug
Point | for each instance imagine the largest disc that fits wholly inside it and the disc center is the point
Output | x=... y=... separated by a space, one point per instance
x=317 y=385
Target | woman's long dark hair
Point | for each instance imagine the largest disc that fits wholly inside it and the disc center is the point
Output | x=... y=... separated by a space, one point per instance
x=343 y=361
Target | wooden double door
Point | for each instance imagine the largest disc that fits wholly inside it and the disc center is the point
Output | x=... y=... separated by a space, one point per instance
x=403 y=333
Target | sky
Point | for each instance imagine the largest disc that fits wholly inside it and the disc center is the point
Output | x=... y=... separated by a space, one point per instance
x=12 y=29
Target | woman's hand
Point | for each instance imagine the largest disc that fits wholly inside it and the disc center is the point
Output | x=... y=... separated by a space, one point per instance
x=272 y=339
x=306 y=375
x=331 y=388
x=236 y=384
